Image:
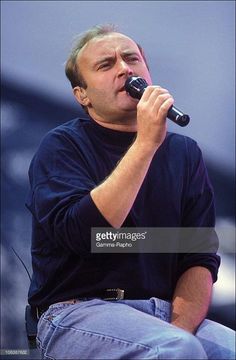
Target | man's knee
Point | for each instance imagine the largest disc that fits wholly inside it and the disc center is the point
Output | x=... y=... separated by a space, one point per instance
x=191 y=347
x=181 y=345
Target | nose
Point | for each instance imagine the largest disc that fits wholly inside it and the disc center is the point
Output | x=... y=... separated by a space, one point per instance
x=124 y=69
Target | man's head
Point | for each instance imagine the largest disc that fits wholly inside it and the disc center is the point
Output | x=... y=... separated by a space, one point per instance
x=97 y=68
x=72 y=68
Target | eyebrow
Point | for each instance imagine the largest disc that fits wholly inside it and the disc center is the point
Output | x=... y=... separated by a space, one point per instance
x=131 y=52
x=111 y=57
x=103 y=59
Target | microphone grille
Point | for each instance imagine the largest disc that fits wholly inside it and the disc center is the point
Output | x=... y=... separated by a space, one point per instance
x=135 y=86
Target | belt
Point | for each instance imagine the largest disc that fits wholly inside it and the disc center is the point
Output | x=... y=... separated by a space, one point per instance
x=107 y=294
x=110 y=294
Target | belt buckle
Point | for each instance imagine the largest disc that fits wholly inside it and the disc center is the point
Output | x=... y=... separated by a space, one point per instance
x=118 y=294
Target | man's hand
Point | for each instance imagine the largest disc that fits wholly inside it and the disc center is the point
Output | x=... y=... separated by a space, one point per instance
x=151 y=116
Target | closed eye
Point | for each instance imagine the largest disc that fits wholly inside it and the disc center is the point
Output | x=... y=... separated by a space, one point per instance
x=132 y=59
x=105 y=65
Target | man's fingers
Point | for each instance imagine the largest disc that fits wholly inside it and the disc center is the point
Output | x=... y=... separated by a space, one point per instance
x=161 y=99
x=165 y=106
x=155 y=97
x=152 y=92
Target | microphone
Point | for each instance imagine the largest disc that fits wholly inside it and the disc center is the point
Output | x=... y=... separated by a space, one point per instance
x=135 y=87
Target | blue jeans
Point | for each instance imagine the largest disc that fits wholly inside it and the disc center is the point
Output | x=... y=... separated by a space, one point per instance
x=127 y=329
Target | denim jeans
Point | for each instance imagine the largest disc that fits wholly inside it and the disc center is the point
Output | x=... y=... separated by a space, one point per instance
x=127 y=329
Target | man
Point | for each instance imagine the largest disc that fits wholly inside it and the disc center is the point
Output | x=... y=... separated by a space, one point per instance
x=118 y=167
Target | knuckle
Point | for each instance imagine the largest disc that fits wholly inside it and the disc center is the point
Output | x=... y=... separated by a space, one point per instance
x=164 y=107
x=164 y=96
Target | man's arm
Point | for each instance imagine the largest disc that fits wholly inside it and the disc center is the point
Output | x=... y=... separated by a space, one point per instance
x=116 y=195
x=191 y=298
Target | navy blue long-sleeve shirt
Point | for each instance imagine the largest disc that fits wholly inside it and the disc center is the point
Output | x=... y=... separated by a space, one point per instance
x=74 y=158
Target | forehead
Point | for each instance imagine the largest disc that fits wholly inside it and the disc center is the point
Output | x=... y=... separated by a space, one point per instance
x=106 y=45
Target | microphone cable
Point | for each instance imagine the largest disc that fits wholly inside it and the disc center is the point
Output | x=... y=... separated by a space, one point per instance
x=22 y=262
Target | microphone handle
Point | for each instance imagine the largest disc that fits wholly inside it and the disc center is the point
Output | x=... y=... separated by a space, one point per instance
x=178 y=117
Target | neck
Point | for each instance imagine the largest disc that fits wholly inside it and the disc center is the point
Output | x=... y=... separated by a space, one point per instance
x=118 y=127
x=125 y=124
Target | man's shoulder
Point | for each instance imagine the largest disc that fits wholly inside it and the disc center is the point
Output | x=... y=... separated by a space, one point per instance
x=175 y=139
x=72 y=128
x=61 y=137
x=181 y=148
x=74 y=125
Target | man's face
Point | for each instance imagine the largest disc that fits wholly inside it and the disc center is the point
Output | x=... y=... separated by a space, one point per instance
x=105 y=63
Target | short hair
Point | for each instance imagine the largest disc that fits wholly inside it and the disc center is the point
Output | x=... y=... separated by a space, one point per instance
x=71 y=69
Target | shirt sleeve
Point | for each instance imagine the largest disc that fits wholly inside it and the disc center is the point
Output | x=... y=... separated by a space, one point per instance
x=198 y=211
x=61 y=181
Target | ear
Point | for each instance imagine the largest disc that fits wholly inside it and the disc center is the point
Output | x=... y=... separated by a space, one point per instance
x=81 y=95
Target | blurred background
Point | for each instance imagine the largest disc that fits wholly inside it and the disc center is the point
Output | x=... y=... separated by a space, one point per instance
x=190 y=46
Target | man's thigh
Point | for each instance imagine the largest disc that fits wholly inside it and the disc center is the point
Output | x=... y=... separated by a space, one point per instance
x=98 y=329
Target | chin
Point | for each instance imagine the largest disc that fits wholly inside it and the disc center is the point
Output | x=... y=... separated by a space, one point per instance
x=130 y=104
